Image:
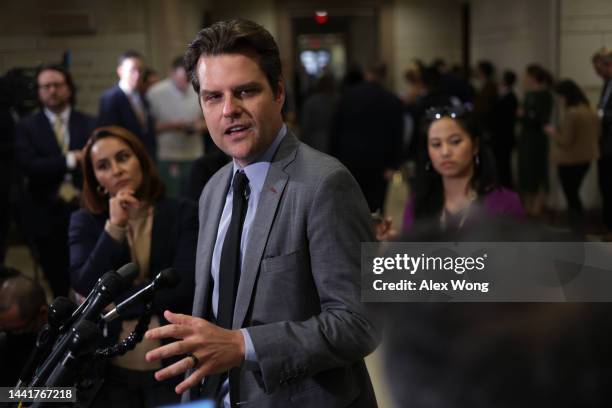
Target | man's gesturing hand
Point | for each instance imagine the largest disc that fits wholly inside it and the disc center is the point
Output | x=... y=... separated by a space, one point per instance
x=216 y=349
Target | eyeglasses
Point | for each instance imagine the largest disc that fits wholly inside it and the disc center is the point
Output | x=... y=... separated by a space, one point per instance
x=50 y=85
x=453 y=112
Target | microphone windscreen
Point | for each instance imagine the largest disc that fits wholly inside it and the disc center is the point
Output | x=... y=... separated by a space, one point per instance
x=167 y=278
x=60 y=310
x=113 y=283
x=86 y=336
x=128 y=273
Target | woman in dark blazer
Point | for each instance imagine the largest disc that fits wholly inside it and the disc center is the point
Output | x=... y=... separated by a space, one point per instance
x=126 y=218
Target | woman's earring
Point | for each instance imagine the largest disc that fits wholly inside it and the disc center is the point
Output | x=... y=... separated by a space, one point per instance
x=101 y=190
x=477 y=160
x=428 y=165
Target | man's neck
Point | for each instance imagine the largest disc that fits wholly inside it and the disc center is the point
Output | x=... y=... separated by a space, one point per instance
x=57 y=110
x=265 y=155
x=125 y=87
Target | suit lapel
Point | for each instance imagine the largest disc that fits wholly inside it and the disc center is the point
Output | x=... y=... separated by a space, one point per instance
x=271 y=194
x=129 y=110
x=210 y=211
x=47 y=136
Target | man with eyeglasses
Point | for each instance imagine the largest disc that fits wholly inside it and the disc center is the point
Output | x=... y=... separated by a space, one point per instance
x=49 y=147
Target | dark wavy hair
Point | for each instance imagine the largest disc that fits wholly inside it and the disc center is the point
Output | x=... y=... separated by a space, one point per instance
x=571 y=92
x=67 y=77
x=428 y=187
x=540 y=74
x=235 y=36
x=151 y=188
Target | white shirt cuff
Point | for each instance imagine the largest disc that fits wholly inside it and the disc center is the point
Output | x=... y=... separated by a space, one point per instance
x=250 y=357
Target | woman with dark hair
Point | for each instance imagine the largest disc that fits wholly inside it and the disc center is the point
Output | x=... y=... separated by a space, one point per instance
x=532 y=141
x=574 y=146
x=457 y=176
x=127 y=218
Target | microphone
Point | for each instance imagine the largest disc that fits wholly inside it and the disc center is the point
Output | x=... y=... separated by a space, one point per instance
x=128 y=273
x=83 y=339
x=59 y=312
x=165 y=279
x=107 y=288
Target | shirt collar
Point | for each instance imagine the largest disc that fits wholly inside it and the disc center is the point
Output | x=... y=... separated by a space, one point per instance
x=126 y=89
x=64 y=115
x=256 y=172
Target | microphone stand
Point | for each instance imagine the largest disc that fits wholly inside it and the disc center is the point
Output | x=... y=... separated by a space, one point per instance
x=131 y=340
x=83 y=340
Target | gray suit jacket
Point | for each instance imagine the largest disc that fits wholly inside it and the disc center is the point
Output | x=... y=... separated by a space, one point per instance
x=299 y=291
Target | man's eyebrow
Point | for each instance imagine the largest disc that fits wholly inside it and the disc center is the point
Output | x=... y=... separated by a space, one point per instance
x=252 y=84
x=237 y=88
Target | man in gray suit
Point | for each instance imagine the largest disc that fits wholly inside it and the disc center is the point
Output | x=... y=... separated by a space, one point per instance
x=277 y=318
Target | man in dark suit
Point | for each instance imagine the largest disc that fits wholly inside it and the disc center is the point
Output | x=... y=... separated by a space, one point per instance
x=7 y=163
x=277 y=267
x=502 y=137
x=125 y=105
x=602 y=62
x=367 y=133
x=49 y=147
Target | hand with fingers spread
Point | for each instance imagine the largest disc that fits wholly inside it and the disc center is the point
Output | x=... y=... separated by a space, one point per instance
x=210 y=349
x=119 y=206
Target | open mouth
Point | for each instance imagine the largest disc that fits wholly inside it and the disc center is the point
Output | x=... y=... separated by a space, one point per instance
x=236 y=129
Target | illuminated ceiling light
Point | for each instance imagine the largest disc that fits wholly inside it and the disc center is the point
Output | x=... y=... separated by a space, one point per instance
x=321 y=16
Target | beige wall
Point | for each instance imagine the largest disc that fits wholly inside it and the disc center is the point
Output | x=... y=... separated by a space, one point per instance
x=425 y=30
x=263 y=12
x=515 y=33
x=159 y=29
x=585 y=26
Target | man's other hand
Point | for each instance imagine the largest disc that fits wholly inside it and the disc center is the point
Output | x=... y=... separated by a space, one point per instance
x=216 y=350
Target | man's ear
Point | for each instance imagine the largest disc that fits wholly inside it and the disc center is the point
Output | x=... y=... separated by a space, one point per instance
x=280 y=92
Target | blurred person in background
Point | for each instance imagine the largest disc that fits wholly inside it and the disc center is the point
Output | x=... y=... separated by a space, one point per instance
x=486 y=98
x=23 y=311
x=602 y=62
x=503 y=135
x=179 y=127
x=317 y=113
x=456 y=183
x=149 y=78
x=575 y=145
x=49 y=147
x=7 y=162
x=127 y=218
x=125 y=104
x=367 y=134
x=533 y=142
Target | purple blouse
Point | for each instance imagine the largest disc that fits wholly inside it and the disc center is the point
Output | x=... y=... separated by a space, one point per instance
x=500 y=201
